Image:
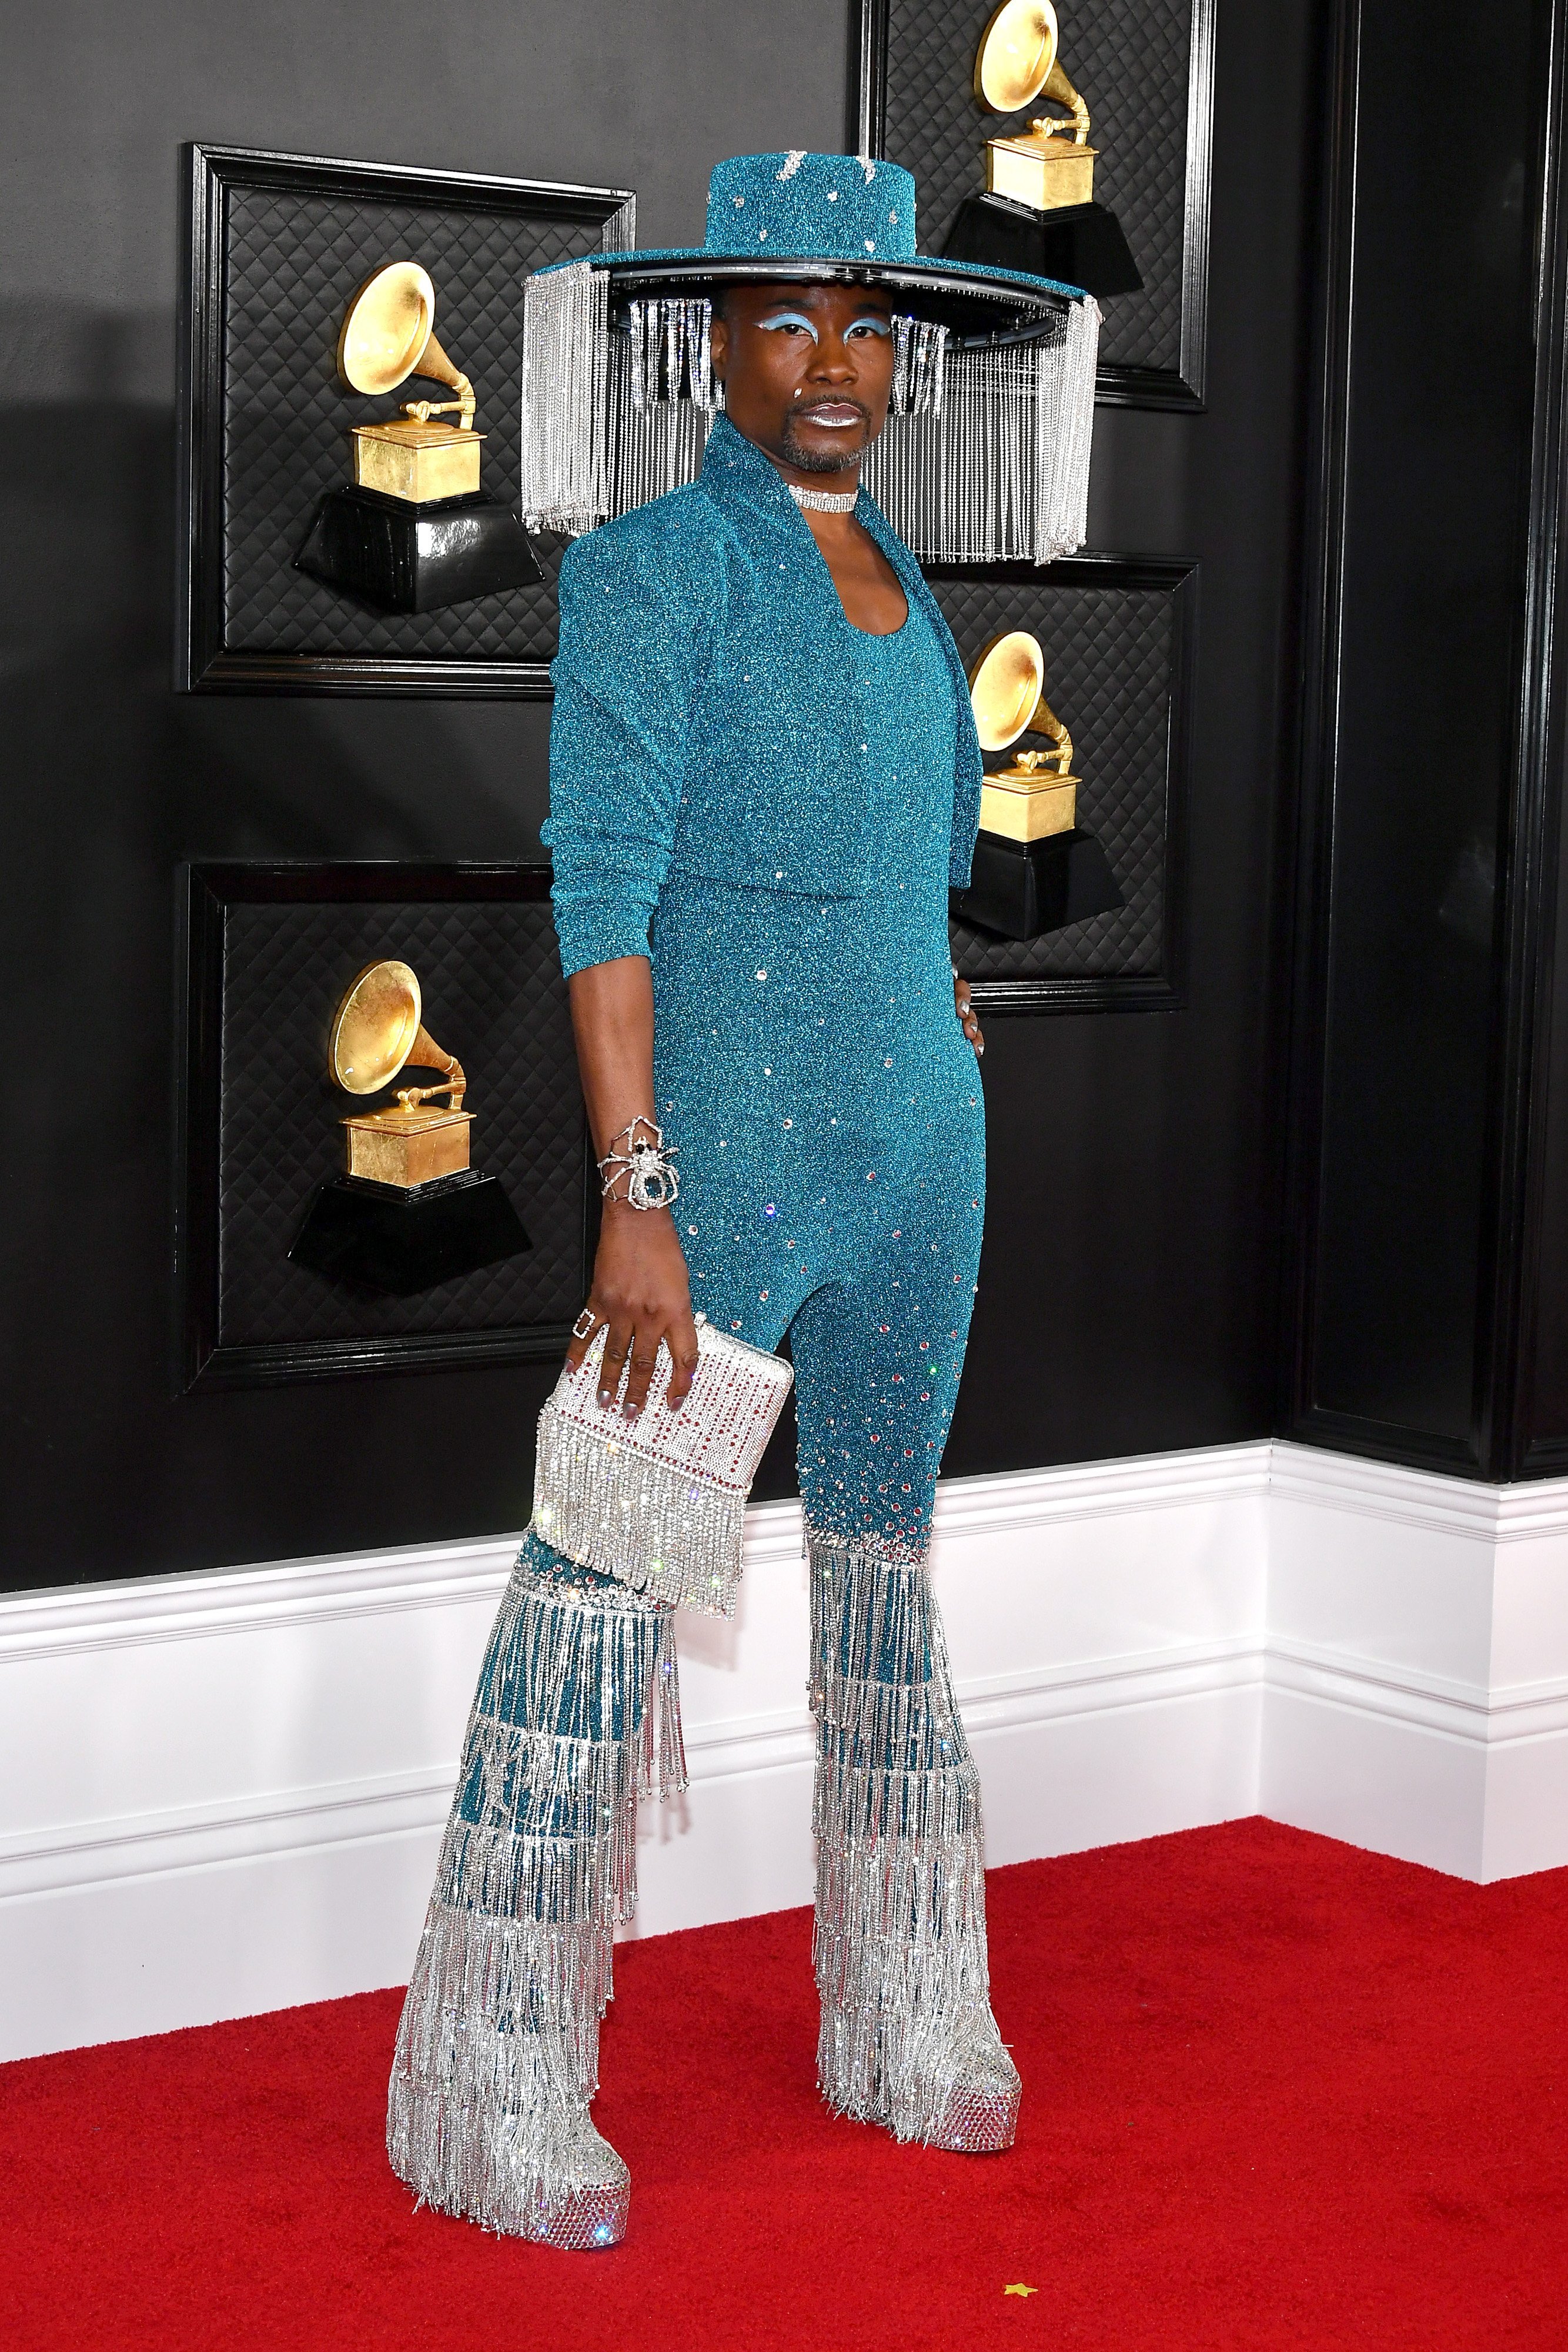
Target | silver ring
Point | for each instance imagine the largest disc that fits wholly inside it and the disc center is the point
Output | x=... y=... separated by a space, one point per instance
x=586 y=1322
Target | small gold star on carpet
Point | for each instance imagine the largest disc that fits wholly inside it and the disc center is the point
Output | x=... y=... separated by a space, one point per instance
x=1021 y=2289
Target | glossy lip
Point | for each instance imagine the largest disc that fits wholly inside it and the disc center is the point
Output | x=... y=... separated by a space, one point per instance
x=834 y=414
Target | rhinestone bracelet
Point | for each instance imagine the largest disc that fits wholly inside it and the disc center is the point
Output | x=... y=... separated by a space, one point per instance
x=650 y=1181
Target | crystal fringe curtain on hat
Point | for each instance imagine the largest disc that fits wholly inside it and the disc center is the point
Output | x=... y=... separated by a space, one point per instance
x=997 y=465
x=577 y=1709
x=613 y=414
x=985 y=456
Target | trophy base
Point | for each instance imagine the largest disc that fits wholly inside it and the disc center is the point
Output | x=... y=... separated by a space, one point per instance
x=1024 y=889
x=1081 y=244
x=403 y=558
x=400 y=1242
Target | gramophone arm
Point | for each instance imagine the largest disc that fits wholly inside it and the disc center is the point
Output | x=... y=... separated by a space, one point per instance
x=453 y=1084
x=433 y=363
x=1057 y=761
x=1046 y=722
x=1058 y=86
x=466 y=405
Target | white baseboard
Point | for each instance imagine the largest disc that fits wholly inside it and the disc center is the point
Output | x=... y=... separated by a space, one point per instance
x=1417 y=1664
x=222 y=1793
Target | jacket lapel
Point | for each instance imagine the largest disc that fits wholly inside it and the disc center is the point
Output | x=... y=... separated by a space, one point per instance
x=967 y=763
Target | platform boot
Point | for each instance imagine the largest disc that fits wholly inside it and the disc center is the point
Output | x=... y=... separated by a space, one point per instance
x=498 y=2050
x=908 y=2037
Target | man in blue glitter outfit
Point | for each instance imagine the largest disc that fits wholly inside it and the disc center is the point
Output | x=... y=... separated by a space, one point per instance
x=764 y=778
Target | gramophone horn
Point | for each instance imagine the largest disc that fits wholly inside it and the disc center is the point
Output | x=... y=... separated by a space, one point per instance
x=388 y=334
x=1007 y=682
x=1016 y=62
x=377 y=1029
x=1016 y=52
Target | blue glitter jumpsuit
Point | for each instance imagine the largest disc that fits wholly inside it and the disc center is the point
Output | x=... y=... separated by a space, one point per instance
x=831 y=1135
x=810 y=1065
x=779 y=805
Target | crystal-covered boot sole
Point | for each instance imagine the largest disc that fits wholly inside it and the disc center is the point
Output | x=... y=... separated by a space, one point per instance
x=965 y=2098
x=539 y=2170
x=591 y=2212
x=977 y=2103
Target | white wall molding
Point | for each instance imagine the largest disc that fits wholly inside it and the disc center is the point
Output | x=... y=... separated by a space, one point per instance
x=1453 y=1710
x=140 y=1845
x=78 y=1619
x=222 y=1791
x=1419 y=1498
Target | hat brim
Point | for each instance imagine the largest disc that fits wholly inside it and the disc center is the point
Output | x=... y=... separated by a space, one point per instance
x=974 y=301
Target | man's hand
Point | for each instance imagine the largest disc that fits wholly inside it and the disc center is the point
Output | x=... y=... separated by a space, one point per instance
x=640 y=1291
x=966 y=1013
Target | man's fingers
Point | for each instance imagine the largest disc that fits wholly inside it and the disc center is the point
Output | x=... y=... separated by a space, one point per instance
x=682 y=1338
x=589 y=1321
x=644 y=1357
x=617 y=1347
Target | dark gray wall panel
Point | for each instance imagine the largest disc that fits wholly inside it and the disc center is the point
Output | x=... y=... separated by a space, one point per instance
x=1419 y=621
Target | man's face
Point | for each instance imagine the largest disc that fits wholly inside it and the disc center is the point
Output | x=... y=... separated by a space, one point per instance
x=807 y=370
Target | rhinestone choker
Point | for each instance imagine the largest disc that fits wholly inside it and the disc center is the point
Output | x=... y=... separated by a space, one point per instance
x=824 y=501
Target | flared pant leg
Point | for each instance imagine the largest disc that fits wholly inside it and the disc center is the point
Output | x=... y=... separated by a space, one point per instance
x=907 y=2038
x=497 y=2048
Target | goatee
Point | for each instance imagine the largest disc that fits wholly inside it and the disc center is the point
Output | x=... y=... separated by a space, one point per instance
x=826 y=461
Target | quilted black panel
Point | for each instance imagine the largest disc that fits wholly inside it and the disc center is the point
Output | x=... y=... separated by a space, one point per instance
x=1109 y=655
x=1130 y=59
x=292 y=260
x=494 y=997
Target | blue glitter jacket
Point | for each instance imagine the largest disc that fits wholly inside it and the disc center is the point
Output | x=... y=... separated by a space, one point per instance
x=707 y=718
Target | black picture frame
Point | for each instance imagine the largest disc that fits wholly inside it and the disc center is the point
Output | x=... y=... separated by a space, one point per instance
x=205 y=892
x=1176 y=578
x=1126 y=384
x=205 y=662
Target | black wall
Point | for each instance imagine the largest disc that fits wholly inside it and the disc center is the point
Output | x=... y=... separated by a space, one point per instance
x=1128 y=1295
x=1430 y=1167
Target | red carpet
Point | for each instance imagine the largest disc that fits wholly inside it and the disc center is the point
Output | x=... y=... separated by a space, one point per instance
x=1276 y=2092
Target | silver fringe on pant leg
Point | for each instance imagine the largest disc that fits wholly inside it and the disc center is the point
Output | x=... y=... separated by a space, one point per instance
x=907 y=2036
x=498 y=2050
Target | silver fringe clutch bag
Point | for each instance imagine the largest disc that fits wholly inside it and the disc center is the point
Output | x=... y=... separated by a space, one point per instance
x=659 y=1503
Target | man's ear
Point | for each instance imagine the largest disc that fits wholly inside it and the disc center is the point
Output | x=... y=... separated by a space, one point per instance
x=718 y=341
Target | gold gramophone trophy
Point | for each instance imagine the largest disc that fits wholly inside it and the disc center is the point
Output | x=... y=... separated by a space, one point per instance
x=1039 y=212
x=1037 y=793
x=376 y=1032
x=408 y=1211
x=415 y=532
x=1033 y=869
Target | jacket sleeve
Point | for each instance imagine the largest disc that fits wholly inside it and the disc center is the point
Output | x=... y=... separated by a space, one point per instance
x=633 y=622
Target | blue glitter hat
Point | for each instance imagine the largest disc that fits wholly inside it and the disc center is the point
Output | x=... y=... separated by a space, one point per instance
x=810 y=207
x=986 y=451
x=799 y=215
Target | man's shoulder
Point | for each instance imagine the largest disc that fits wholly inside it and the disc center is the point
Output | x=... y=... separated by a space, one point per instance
x=668 y=539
